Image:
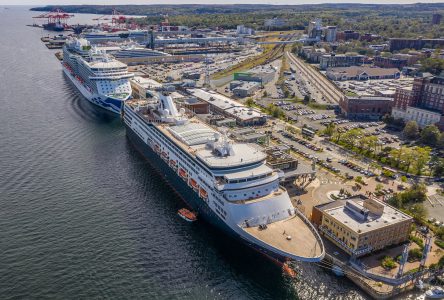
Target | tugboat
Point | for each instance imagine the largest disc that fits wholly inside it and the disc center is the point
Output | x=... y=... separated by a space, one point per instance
x=187 y=215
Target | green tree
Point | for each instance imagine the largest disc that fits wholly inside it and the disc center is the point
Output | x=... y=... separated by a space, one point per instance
x=433 y=65
x=249 y=102
x=430 y=135
x=411 y=130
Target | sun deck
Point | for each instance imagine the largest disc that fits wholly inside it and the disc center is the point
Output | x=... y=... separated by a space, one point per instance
x=304 y=243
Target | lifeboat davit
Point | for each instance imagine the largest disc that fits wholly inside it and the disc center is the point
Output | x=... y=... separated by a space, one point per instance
x=203 y=193
x=194 y=184
x=182 y=173
x=187 y=215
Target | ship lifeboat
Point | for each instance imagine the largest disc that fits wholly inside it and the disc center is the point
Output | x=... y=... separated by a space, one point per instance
x=203 y=193
x=288 y=271
x=183 y=173
x=173 y=163
x=165 y=155
x=193 y=184
x=187 y=215
x=157 y=148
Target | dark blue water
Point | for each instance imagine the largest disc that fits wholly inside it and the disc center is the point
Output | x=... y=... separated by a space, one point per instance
x=82 y=215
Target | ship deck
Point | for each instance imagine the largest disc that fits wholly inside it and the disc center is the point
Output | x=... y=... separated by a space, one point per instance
x=303 y=243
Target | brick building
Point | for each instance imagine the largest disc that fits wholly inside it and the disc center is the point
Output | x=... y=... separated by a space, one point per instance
x=427 y=96
x=365 y=107
x=361 y=225
x=347 y=35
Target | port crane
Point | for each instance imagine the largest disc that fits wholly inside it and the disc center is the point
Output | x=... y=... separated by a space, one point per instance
x=117 y=19
x=56 y=19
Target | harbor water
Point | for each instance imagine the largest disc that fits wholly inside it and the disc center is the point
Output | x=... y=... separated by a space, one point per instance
x=84 y=216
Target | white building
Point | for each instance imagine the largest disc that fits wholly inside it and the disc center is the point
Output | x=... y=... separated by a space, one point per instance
x=241 y=29
x=422 y=117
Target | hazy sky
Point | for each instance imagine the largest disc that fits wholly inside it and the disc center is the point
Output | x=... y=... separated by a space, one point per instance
x=111 y=2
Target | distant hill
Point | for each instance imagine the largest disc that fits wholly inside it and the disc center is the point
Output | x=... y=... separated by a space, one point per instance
x=386 y=20
x=180 y=9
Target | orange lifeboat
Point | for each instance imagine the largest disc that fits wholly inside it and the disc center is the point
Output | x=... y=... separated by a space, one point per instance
x=183 y=173
x=203 y=193
x=193 y=184
x=187 y=215
x=288 y=271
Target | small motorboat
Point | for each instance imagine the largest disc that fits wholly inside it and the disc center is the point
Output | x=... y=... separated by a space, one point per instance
x=435 y=293
x=288 y=270
x=420 y=285
x=187 y=215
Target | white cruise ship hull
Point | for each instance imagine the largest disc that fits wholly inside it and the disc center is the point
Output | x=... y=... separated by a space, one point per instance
x=103 y=101
x=139 y=133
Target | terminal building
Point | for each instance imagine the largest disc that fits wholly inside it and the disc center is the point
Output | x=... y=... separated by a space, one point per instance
x=361 y=225
x=144 y=87
x=221 y=105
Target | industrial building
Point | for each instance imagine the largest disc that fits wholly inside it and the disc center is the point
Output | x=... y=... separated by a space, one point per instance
x=365 y=107
x=248 y=135
x=261 y=75
x=362 y=73
x=361 y=225
x=144 y=87
x=333 y=60
x=246 y=89
x=229 y=108
x=193 y=105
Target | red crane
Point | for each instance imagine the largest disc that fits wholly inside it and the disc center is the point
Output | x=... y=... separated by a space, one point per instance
x=117 y=19
x=56 y=19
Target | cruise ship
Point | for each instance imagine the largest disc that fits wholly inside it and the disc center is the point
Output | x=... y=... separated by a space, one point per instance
x=103 y=80
x=227 y=184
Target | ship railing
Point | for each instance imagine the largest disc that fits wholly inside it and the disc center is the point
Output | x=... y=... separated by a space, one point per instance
x=268 y=219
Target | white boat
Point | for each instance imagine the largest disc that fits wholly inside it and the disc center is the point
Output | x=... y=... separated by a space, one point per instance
x=435 y=293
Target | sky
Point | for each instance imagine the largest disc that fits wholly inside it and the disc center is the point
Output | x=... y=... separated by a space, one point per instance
x=114 y=2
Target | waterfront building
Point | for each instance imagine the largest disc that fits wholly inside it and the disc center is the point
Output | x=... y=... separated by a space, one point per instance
x=365 y=107
x=222 y=105
x=362 y=73
x=144 y=87
x=361 y=225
